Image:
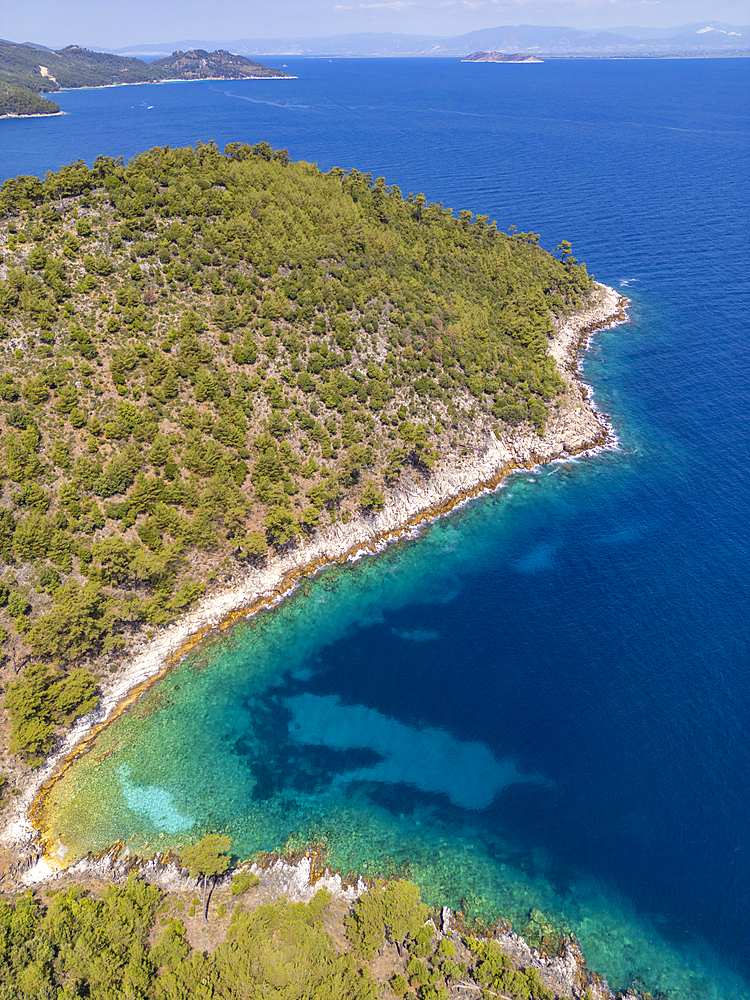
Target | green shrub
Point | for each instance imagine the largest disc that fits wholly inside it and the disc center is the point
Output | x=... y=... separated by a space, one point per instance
x=431 y=992
x=243 y=880
x=446 y=948
x=417 y=972
x=372 y=498
x=396 y=906
x=365 y=925
x=188 y=592
x=287 y=946
x=422 y=946
x=398 y=984
x=4 y=788
x=38 y=701
x=80 y=622
x=450 y=969
x=17 y=604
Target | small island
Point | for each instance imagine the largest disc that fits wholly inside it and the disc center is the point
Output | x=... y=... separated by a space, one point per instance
x=502 y=57
x=27 y=72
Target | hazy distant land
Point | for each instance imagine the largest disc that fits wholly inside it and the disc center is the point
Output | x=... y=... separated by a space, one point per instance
x=700 y=39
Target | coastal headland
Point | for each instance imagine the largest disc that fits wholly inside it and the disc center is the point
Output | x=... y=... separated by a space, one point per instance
x=223 y=373
x=576 y=427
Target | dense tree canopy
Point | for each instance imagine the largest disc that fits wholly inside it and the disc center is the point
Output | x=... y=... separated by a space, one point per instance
x=206 y=354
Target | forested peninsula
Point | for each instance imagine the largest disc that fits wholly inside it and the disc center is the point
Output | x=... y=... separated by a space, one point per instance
x=220 y=371
x=28 y=71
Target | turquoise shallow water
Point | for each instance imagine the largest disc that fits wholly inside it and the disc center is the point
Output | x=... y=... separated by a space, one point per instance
x=543 y=700
x=377 y=712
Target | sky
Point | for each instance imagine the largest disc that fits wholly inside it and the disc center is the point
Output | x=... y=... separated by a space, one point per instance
x=98 y=24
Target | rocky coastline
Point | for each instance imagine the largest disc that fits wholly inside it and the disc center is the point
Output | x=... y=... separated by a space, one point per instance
x=574 y=426
x=299 y=878
x=36 y=114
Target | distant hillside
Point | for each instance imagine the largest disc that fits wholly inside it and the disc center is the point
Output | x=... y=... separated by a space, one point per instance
x=28 y=70
x=201 y=65
x=702 y=38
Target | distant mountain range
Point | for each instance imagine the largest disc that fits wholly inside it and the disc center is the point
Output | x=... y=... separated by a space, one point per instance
x=703 y=38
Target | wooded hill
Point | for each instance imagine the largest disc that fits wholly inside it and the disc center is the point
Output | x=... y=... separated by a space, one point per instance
x=27 y=71
x=208 y=354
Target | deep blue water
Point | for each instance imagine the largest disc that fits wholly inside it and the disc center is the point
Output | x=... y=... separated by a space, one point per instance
x=590 y=621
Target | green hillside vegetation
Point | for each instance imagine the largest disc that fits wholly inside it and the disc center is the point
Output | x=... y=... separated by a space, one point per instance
x=26 y=72
x=15 y=100
x=131 y=942
x=208 y=355
x=67 y=68
x=197 y=64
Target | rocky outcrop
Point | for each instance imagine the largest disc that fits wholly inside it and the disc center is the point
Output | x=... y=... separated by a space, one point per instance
x=502 y=57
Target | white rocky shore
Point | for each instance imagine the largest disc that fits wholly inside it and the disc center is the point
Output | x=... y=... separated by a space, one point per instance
x=573 y=427
x=300 y=879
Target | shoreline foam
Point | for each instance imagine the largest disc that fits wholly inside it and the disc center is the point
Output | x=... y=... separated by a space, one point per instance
x=158 y=83
x=36 y=114
x=576 y=428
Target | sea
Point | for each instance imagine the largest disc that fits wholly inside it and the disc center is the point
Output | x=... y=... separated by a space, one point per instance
x=538 y=706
